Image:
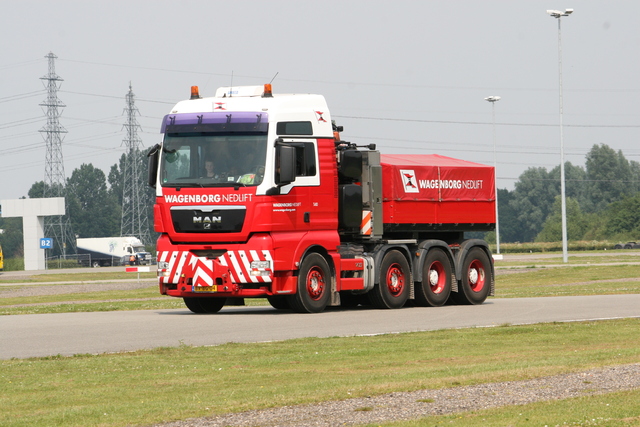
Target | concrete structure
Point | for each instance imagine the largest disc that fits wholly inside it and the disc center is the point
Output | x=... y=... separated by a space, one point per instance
x=33 y=212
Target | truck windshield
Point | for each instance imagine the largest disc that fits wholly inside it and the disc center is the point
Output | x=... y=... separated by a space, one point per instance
x=202 y=159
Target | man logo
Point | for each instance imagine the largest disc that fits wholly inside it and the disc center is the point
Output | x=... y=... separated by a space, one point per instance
x=409 y=181
x=207 y=220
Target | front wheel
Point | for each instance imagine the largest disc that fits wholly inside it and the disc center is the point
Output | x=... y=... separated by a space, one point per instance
x=475 y=282
x=204 y=305
x=314 y=285
x=279 y=303
x=392 y=291
x=435 y=288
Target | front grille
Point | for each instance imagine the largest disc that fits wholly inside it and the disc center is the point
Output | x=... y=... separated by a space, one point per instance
x=191 y=220
x=209 y=253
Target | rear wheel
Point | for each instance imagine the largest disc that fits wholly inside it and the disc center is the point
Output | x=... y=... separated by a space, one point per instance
x=392 y=291
x=475 y=282
x=201 y=305
x=435 y=288
x=314 y=285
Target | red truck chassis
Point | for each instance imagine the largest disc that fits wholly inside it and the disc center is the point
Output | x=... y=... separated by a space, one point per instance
x=258 y=196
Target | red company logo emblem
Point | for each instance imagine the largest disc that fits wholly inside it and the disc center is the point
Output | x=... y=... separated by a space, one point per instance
x=409 y=181
x=220 y=106
x=319 y=116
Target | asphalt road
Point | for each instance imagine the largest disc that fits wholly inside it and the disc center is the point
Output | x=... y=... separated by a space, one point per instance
x=37 y=335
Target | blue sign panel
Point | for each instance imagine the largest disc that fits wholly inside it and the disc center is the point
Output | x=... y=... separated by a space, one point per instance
x=46 y=243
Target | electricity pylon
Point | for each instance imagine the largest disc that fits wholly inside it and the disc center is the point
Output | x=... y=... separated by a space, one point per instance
x=57 y=227
x=134 y=211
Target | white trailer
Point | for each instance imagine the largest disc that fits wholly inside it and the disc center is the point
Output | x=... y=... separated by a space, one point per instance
x=105 y=251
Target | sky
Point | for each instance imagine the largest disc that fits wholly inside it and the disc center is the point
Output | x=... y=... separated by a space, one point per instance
x=409 y=76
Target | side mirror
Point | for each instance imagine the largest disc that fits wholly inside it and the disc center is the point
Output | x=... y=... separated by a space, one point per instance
x=286 y=166
x=350 y=164
x=154 y=159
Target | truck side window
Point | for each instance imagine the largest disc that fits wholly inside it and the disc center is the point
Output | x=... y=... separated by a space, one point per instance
x=294 y=128
x=305 y=159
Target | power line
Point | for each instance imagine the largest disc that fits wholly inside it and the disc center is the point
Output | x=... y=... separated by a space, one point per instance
x=349 y=83
x=460 y=146
x=83 y=156
x=117 y=97
x=20 y=122
x=20 y=96
x=456 y=122
x=20 y=64
x=22 y=149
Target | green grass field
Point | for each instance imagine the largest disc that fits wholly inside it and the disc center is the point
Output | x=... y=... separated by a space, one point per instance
x=90 y=275
x=596 y=278
x=609 y=410
x=146 y=387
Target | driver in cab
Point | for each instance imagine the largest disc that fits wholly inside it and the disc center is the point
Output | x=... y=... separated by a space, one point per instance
x=210 y=173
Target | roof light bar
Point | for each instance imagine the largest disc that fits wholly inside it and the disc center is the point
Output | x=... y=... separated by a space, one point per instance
x=267 y=91
x=195 y=92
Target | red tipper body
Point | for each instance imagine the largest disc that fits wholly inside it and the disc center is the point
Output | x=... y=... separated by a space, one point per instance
x=436 y=190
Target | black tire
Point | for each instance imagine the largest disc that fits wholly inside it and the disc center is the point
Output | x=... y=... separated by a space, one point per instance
x=628 y=246
x=435 y=288
x=475 y=283
x=235 y=301
x=392 y=291
x=618 y=246
x=279 y=303
x=204 y=305
x=349 y=300
x=314 y=285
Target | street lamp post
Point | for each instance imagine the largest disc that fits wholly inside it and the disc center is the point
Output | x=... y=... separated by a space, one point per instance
x=558 y=15
x=493 y=100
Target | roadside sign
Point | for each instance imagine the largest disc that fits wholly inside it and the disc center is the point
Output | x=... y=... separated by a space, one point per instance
x=137 y=269
x=46 y=243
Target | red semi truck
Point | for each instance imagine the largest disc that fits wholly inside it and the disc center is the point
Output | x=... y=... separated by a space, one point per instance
x=258 y=196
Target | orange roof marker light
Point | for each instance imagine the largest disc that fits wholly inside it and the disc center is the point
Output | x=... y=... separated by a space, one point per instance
x=195 y=92
x=267 y=91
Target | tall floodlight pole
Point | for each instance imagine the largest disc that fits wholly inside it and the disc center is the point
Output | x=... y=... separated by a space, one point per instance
x=558 y=15
x=493 y=100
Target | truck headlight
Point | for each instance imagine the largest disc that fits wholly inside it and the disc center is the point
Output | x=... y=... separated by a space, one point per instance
x=262 y=265
x=260 y=268
x=163 y=269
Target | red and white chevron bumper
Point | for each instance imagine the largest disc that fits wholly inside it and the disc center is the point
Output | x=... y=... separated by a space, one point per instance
x=235 y=267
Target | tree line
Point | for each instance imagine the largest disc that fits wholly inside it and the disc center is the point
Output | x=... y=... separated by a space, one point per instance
x=603 y=202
